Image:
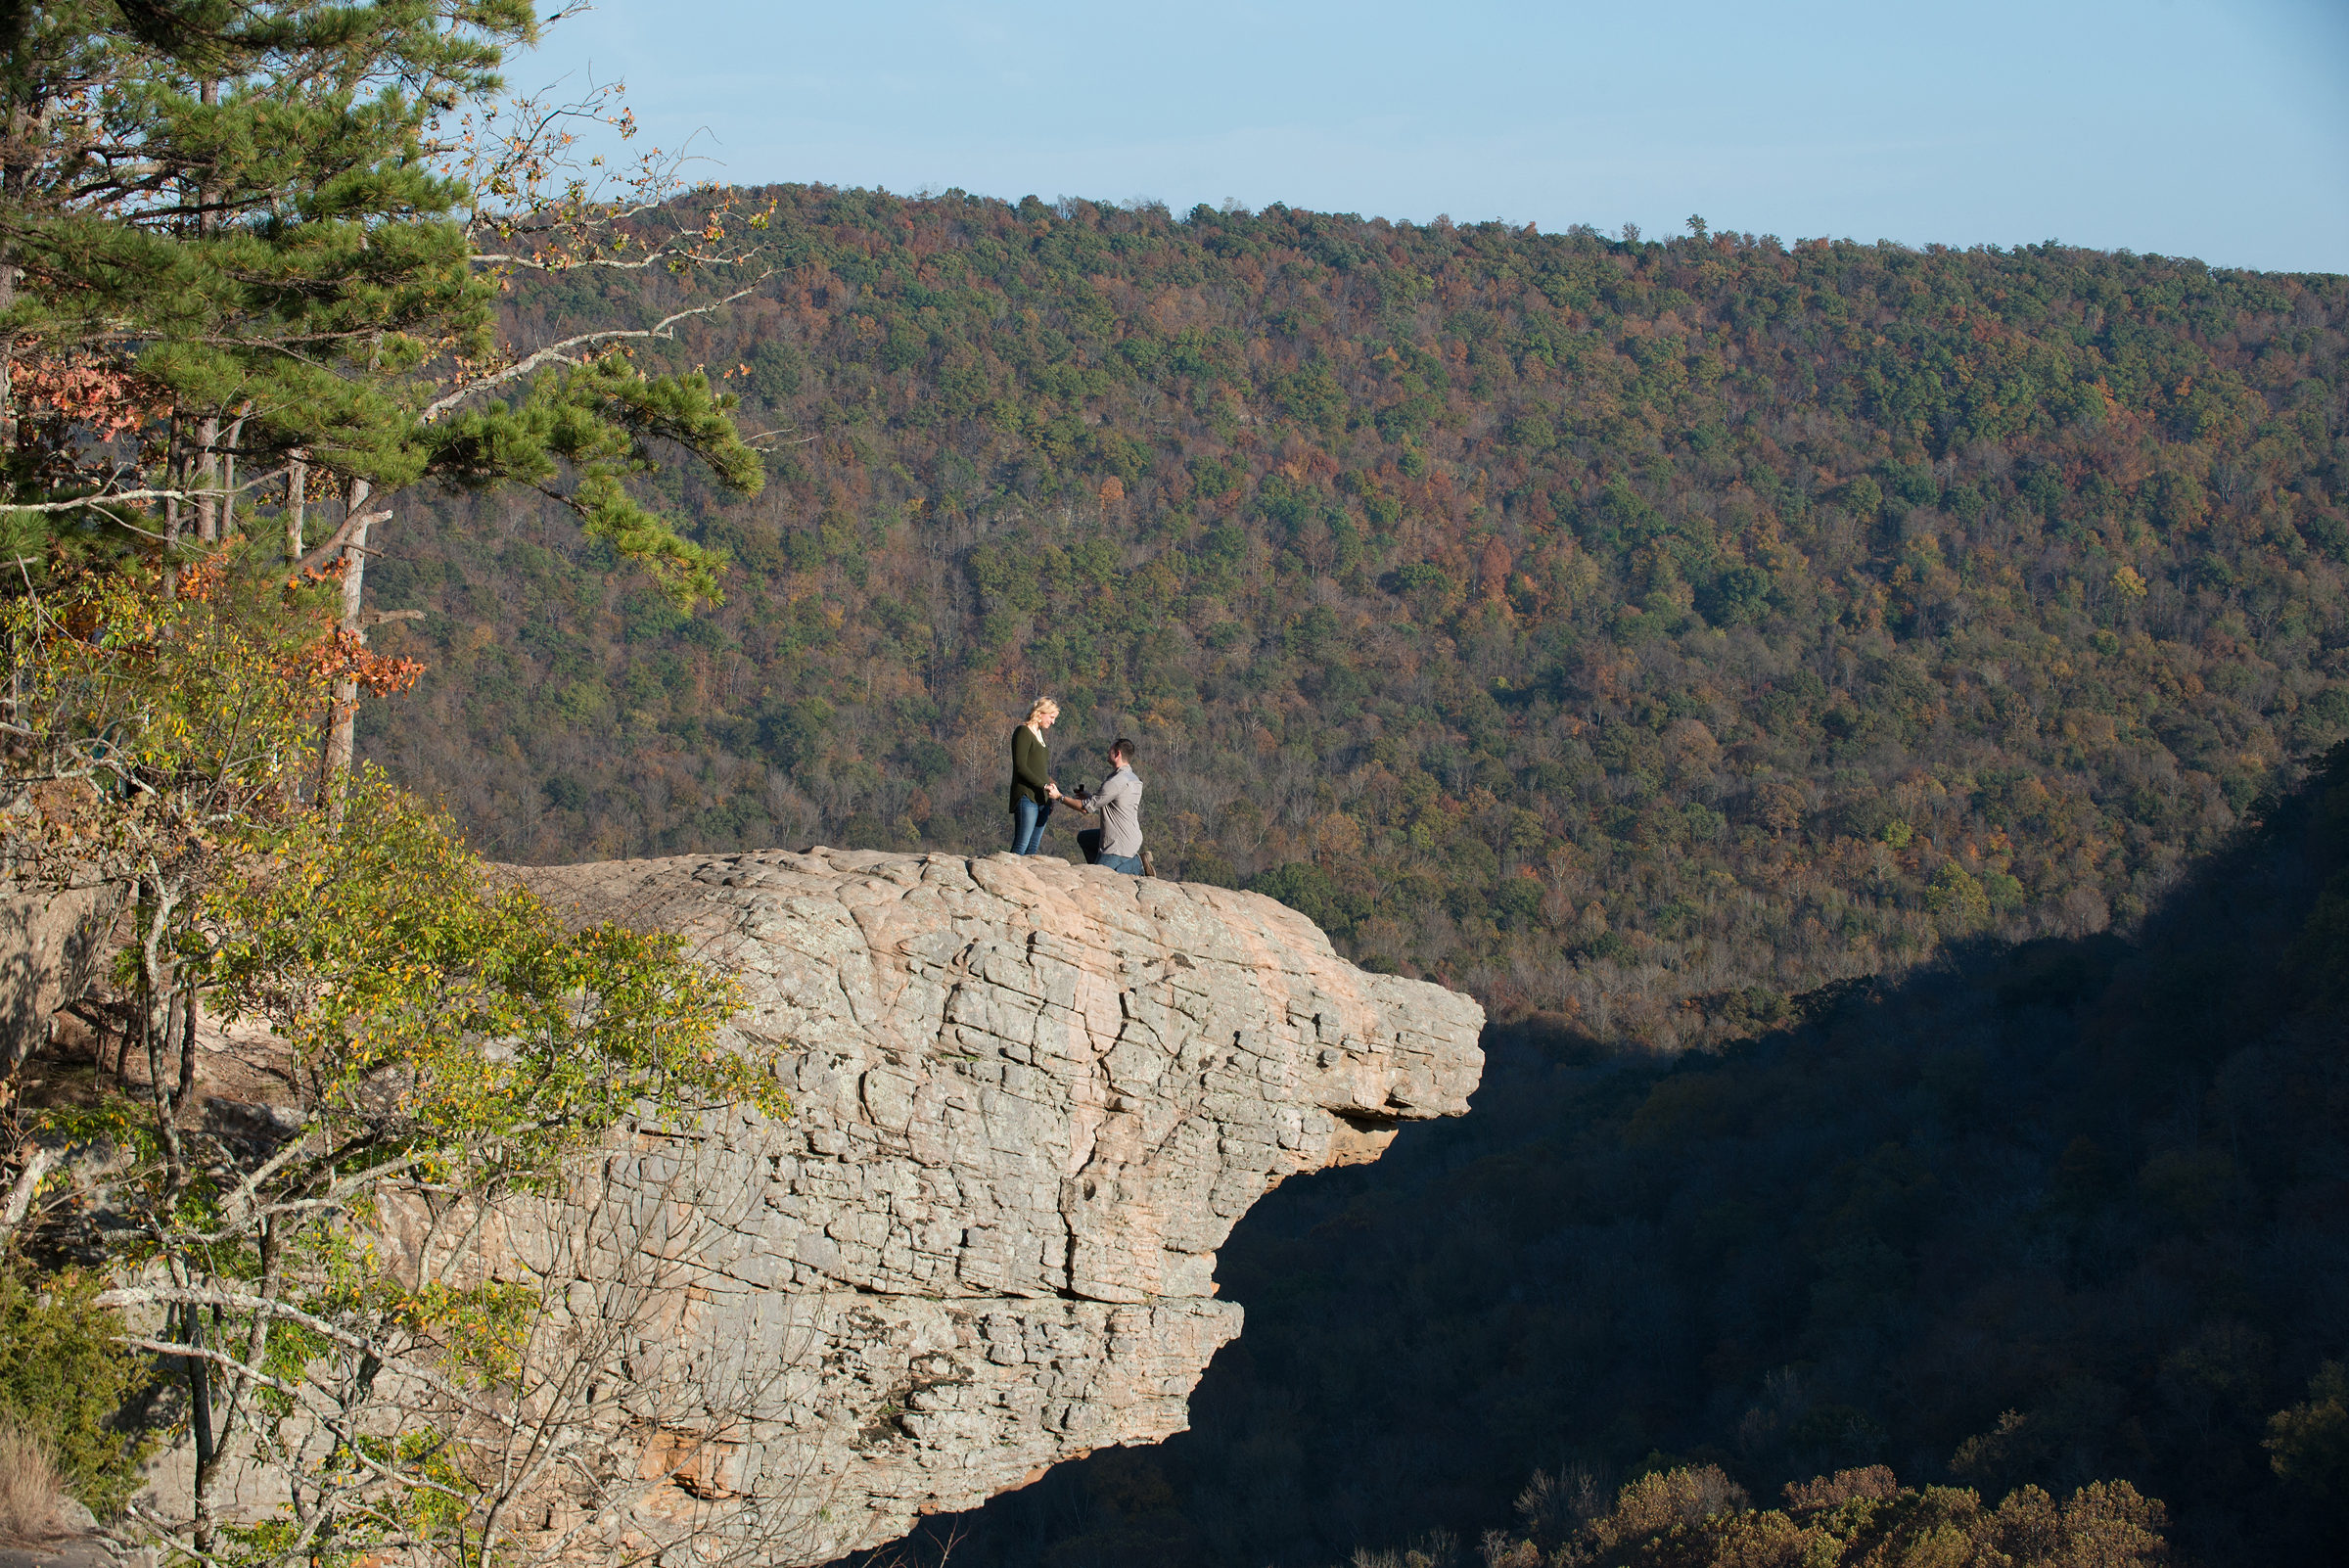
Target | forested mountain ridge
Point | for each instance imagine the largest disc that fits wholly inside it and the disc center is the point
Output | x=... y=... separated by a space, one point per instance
x=1644 y=632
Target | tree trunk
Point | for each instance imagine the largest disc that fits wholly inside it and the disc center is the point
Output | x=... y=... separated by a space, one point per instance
x=341 y=719
x=156 y=982
x=175 y=470
x=228 y=474
x=11 y=186
x=8 y=358
x=207 y=434
x=298 y=483
x=200 y=1421
x=187 y=1049
x=208 y=470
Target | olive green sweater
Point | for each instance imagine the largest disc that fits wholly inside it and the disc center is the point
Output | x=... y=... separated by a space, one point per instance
x=1031 y=767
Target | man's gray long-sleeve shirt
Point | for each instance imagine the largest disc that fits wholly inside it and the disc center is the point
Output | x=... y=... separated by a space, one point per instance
x=1120 y=803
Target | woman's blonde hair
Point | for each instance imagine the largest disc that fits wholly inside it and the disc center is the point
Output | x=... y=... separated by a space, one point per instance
x=1044 y=706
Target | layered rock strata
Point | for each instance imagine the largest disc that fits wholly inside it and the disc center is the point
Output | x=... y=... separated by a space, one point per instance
x=1030 y=1100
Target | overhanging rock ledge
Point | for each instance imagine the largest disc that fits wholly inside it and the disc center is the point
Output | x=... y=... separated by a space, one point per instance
x=1030 y=1102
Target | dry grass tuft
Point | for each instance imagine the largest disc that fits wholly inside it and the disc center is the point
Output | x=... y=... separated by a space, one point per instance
x=28 y=1487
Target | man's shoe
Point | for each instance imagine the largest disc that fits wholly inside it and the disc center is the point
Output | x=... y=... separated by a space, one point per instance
x=1149 y=864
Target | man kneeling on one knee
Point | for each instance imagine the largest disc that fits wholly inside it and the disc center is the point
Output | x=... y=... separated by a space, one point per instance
x=1118 y=801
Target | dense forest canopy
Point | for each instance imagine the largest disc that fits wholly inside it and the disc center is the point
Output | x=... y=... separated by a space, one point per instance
x=1643 y=632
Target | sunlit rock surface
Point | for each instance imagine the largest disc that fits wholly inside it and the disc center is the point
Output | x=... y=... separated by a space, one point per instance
x=1031 y=1099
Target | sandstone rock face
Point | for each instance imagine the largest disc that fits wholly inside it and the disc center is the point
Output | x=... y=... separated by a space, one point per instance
x=50 y=943
x=1030 y=1100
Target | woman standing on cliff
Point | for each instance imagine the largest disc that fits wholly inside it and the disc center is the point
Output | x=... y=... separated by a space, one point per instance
x=1033 y=791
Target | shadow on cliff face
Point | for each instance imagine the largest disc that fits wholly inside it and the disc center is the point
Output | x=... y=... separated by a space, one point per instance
x=2049 y=1213
x=50 y=945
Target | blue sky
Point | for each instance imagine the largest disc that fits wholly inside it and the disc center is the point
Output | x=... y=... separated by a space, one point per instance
x=2186 y=127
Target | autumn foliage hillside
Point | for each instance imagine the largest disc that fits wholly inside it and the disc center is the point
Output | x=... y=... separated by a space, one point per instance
x=1640 y=633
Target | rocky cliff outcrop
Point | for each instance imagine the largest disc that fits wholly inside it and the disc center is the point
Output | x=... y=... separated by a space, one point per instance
x=1030 y=1100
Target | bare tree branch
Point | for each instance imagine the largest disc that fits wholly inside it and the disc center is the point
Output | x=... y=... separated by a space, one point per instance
x=205 y=1353
x=80 y=502
x=555 y=353
x=339 y=538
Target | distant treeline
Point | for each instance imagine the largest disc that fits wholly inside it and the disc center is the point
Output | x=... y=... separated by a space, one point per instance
x=1640 y=632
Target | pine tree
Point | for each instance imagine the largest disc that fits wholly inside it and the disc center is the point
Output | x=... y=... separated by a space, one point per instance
x=237 y=257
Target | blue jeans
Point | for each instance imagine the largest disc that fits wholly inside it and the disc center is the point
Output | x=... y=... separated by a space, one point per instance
x=1130 y=865
x=1028 y=826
